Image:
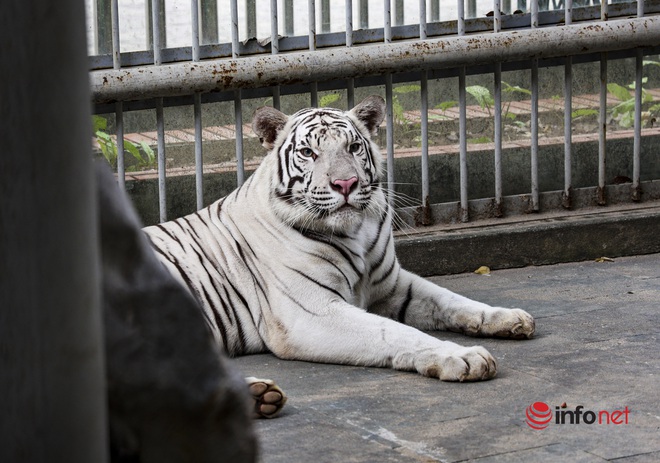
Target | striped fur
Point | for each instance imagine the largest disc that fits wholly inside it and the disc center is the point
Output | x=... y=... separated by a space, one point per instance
x=300 y=259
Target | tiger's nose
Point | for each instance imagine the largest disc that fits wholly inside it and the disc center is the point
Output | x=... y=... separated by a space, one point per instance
x=344 y=186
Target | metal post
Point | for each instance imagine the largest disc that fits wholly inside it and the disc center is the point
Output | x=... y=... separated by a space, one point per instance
x=424 y=112
x=238 y=109
x=157 y=6
x=602 y=118
x=497 y=135
x=399 y=13
x=325 y=16
x=568 y=112
x=534 y=155
x=311 y=17
x=462 y=125
x=389 y=103
x=119 y=107
x=52 y=383
x=197 y=109
x=637 y=137
x=274 y=47
x=350 y=84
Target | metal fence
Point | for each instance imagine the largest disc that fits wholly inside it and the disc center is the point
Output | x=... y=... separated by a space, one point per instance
x=442 y=71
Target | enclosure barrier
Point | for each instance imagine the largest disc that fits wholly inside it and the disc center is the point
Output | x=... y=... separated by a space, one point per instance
x=398 y=53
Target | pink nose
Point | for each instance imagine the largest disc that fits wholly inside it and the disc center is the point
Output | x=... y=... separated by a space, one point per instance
x=345 y=186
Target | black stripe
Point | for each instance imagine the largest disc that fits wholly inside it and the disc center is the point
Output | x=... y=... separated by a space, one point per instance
x=401 y=315
x=316 y=282
x=385 y=275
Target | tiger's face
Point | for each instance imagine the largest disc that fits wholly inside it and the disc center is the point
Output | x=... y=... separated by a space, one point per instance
x=328 y=169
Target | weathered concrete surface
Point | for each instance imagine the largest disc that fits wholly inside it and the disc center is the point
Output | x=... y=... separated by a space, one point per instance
x=596 y=346
x=557 y=237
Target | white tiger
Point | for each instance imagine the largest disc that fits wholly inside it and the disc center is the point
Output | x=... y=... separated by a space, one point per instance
x=300 y=261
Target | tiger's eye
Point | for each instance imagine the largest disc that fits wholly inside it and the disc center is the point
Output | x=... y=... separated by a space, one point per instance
x=354 y=148
x=307 y=152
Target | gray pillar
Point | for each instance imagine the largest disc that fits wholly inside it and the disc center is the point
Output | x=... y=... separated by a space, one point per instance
x=52 y=392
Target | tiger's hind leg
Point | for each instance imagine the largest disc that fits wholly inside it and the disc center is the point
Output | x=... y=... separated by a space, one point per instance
x=268 y=397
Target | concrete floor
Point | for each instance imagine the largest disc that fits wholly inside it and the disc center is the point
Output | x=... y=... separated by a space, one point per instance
x=596 y=346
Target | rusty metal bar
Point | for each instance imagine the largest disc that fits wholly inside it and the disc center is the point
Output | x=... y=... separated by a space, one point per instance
x=326 y=64
x=311 y=18
x=637 y=138
x=497 y=129
x=274 y=47
x=238 y=105
x=350 y=82
x=389 y=100
x=424 y=112
x=119 y=106
x=601 y=196
x=568 y=112
x=197 y=110
x=534 y=125
x=462 y=124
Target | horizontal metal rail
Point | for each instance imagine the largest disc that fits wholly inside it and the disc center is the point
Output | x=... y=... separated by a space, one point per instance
x=302 y=67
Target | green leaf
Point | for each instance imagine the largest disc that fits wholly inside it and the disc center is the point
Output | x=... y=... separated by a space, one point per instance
x=632 y=85
x=327 y=100
x=406 y=89
x=482 y=95
x=507 y=88
x=510 y=116
x=650 y=63
x=445 y=105
x=655 y=108
x=148 y=152
x=628 y=120
x=619 y=91
x=584 y=112
x=132 y=150
x=99 y=123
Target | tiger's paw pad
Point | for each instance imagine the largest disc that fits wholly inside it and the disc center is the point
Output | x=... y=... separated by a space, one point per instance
x=268 y=397
x=461 y=364
x=512 y=324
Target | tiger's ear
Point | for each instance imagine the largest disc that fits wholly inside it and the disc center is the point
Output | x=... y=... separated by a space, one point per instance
x=267 y=123
x=371 y=111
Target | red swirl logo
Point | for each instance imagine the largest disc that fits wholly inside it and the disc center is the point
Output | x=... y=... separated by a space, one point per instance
x=538 y=415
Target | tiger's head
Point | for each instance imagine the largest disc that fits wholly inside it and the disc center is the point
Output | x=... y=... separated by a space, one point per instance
x=327 y=175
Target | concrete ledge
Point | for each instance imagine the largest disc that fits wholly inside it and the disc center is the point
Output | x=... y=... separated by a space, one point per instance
x=541 y=240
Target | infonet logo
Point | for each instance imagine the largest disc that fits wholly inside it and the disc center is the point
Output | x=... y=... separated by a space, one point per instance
x=539 y=416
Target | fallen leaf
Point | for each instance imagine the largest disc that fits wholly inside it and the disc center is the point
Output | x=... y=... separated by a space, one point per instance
x=483 y=270
x=604 y=259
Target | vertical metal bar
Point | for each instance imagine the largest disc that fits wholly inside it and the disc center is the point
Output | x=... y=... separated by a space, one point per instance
x=116 y=46
x=568 y=110
x=160 y=122
x=472 y=8
x=389 y=110
x=325 y=16
x=424 y=112
x=389 y=101
x=497 y=135
x=311 y=16
x=274 y=47
x=250 y=19
x=363 y=13
x=197 y=108
x=462 y=124
x=156 y=28
x=119 y=107
x=637 y=139
x=534 y=155
x=238 y=109
x=288 y=18
x=350 y=85
x=51 y=340
x=602 y=119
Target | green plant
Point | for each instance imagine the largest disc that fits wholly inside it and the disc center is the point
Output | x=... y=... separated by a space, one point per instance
x=144 y=155
x=327 y=100
x=624 y=112
x=397 y=107
x=482 y=95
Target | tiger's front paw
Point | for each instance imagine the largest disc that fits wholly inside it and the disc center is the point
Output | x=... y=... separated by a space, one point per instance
x=458 y=364
x=508 y=323
x=268 y=397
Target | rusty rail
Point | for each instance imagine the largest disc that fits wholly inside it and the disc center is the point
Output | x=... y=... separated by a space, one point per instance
x=180 y=79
